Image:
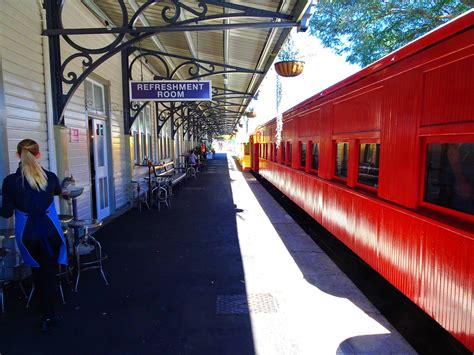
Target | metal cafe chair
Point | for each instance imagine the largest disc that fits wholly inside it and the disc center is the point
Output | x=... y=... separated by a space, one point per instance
x=139 y=194
x=159 y=192
x=12 y=269
x=64 y=271
x=87 y=250
x=191 y=171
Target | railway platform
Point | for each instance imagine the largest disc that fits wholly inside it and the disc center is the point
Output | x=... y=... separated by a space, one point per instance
x=225 y=270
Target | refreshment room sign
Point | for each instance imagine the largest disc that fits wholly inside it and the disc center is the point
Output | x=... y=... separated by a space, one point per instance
x=171 y=90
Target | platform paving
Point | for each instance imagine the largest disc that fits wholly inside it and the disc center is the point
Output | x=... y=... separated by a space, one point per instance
x=225 y=270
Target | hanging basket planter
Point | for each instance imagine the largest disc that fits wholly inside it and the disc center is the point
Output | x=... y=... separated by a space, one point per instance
x=289 y=68
x=251 y=114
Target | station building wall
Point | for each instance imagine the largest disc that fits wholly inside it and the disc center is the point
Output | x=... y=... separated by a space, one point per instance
x=23 y=83
x=25 y=96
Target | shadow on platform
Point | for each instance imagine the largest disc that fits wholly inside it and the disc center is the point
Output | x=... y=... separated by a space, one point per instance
x=167 y=270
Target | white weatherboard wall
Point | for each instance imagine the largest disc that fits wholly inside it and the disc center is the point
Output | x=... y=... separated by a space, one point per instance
x=24 y=94
x=76 y=15
x=23 y=77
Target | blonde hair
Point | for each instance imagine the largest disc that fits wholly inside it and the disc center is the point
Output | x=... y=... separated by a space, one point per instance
x=28 y=149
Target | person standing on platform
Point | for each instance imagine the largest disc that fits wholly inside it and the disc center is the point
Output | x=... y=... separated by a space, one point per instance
x=29 y=194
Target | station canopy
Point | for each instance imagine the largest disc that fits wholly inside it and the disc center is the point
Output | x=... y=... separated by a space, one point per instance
x=233 y=44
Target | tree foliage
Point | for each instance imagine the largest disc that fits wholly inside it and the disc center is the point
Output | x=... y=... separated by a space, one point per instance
x=366 y=30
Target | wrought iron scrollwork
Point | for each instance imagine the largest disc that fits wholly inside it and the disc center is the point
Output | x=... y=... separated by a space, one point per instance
x=173 y=19
x=88 y=50
x=62 y=72
x=196 y=69
x=71 y=77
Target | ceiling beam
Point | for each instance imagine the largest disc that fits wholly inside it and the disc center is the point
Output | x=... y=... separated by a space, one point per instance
x=163 y=29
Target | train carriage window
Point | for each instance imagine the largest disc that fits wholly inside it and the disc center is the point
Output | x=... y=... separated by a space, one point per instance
x=342 y=155
x=315 y=156
x=283 y=153
x=449 y=176
x=302 y=155
x=275 y=152
x=369 y=156
x=289 y=153
x=247 y=149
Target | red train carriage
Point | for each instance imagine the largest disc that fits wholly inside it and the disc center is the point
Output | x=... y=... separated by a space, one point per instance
x=384 y=160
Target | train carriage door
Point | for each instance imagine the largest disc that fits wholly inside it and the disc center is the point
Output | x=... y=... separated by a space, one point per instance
x=255 y=156
x=99 y=168
x=251 y=151
x=98 y=148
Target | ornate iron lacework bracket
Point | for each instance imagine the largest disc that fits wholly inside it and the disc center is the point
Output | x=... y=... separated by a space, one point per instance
x=193 y=117
x=190 y=69
x=65 y=80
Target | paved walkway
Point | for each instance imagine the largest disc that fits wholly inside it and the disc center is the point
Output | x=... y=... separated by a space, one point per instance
x=224 y=271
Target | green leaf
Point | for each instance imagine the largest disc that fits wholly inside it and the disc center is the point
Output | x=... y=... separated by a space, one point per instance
x=366 y=30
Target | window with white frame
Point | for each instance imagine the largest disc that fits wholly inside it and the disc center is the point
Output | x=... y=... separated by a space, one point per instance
x=141 y=132
x=95 y=97
x=165 y=141
x=149 y=146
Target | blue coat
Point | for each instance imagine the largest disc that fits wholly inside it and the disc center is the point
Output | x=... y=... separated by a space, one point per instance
x=35 y=214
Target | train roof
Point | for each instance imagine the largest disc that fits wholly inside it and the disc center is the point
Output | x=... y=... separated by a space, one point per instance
x=436 y=35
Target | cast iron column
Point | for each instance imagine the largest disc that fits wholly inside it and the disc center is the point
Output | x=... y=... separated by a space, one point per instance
x=126 y=92
x=53 y=10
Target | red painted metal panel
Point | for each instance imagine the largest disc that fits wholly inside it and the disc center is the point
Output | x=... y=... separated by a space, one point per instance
x=288 y=130
x=463 y=23
x=447 y=95
x=326 y=164
x=308 y=125
x=399 y=162
x=427 y=256
x=429 y=262
x=359 y=112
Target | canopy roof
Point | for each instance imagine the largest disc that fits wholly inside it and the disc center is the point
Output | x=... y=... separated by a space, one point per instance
x=220 y=41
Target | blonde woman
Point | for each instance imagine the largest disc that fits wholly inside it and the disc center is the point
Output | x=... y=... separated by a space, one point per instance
x=29 y=194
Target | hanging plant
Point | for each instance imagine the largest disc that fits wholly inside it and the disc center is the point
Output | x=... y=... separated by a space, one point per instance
x=279 y=129
x=288 y=64
x=251 y=113
x=289 y=68
x=279 y=118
